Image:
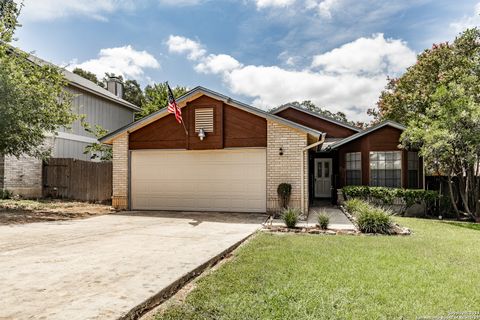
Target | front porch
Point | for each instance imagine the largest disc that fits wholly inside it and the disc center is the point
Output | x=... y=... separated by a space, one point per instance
x=323 y=177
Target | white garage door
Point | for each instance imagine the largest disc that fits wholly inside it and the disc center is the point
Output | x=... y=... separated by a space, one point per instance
x=213 y=180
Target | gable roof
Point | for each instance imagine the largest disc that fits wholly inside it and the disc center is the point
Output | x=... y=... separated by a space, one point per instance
x=80 y=82
x=315 y=114
x=366 y=132
x=200 y=91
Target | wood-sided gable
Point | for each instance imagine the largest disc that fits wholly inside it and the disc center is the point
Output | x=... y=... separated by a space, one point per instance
x=232 y=128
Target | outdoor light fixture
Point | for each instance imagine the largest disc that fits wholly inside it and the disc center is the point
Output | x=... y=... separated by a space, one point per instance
x=280 y=151
x=201 y=134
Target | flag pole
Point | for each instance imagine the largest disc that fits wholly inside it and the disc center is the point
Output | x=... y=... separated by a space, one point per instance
x=186 y=132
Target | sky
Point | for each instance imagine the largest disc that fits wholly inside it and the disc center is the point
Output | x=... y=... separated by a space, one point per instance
x=336 y=53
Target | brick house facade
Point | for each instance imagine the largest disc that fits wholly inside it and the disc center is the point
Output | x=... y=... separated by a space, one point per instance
x=232 y=157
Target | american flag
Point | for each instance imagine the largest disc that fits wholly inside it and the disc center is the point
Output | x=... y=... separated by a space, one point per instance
x=172 y=105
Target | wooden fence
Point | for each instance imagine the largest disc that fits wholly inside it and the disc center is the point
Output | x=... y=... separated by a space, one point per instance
x=77 y=180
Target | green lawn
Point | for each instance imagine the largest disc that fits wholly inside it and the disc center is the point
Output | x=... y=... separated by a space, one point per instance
x=469 y=225
x=287 y=276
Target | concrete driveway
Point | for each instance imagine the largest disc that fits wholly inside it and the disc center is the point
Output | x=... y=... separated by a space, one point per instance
x=102 y=267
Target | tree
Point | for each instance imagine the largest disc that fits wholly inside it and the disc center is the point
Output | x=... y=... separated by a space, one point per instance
x=310 y=106
x=33 y=99
x=97 y=149
x=89 y=76
x=133 y=93
x=156 y=98
x=439 y=100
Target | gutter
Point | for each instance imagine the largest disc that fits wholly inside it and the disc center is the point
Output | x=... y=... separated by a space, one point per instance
x=302 y=185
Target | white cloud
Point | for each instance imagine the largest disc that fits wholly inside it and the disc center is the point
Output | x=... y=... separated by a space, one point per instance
x=53 y=9
x=324 y=8
x=126 y=61
x=273 y=3
x=375 y=55
x=217 y=64
x=193 y=49
x=348 y=79
x=180 y=3
x=468 y=21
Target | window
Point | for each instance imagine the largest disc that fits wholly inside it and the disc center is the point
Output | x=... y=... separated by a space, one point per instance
x=413 y=170
x=353 y=164
x=386 y=169
x=204 y=119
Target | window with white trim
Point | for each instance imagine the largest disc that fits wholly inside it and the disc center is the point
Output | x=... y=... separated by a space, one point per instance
x=413 y=170
x=386 y=169
x=353 y=166
x=204 y=119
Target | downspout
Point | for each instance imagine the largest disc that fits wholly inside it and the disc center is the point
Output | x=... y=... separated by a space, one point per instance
x=302 y=185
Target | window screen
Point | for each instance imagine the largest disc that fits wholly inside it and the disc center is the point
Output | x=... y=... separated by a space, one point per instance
x=413 y=170
x=353 y=165
x=386 y=169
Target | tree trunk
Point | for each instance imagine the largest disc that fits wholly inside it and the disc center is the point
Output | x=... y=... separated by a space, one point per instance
x=452 y=197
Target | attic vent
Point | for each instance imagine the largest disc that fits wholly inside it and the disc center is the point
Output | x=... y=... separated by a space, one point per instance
x=204 y=119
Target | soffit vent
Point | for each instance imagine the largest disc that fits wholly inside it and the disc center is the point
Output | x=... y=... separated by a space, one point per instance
x=204 y=119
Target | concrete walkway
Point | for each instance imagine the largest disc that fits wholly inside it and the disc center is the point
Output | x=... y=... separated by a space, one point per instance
x=338 y=220
x=102 y=267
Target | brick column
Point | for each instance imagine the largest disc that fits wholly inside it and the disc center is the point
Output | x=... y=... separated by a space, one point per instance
x=287 y=167
x=120 y=173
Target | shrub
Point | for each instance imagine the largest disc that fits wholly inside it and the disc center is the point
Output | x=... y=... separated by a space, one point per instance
x=375 y=220
x=323 y=220
x=6 y=194
x=284 y=190
x=354 y=206
x=386 y=196
x=369 y=219
x=290 y=217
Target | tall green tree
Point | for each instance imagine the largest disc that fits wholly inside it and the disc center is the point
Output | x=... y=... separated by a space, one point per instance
x=133 y=93
x=156 y=98
x=438 y=99
x=33 y=99
x=89 y=76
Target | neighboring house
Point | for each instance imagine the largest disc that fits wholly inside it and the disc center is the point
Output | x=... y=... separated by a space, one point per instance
x=246 y=154
x=23 y=176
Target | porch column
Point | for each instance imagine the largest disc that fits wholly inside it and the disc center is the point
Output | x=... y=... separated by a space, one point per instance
x=120 y=173
x=286 y=167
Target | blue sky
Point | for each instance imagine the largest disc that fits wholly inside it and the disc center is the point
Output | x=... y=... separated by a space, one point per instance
x=336 y=53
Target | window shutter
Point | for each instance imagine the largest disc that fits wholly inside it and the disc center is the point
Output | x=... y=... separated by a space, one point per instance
x=204 y=119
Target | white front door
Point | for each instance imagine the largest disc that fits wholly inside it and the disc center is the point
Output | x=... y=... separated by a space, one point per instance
x=323 y=178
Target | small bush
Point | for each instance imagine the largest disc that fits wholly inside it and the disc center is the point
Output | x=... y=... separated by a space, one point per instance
x=323 y=220
x=374 y=220
x=6 y=194
x=354 y=206
x=370 y=219
x=290 y=217
x=284 y=190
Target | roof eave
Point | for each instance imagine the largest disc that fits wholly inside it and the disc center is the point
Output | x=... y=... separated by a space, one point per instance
x=366 y=132
x=314 y=114
x=108 y=139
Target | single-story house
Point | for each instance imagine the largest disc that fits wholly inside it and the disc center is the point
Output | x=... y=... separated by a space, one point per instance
x=103 y=107
x=232 y=157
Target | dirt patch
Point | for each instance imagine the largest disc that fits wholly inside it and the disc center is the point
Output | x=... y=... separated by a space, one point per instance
x=28 y=211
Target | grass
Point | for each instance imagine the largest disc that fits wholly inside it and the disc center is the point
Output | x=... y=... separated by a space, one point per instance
x=430 y=273
x=469 y=225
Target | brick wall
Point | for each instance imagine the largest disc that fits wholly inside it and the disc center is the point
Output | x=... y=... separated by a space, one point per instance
x=287 y=167
x=1 y=171
x=23 y=176
x=120 y=173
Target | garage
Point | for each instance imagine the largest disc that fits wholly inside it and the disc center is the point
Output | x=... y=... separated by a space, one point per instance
x=199 y=180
